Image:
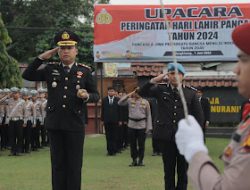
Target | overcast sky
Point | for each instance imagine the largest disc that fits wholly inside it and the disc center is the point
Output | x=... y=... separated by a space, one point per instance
x=157 y=2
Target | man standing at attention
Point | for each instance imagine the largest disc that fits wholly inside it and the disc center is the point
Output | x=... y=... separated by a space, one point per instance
x=70 y=85
x=170 y=111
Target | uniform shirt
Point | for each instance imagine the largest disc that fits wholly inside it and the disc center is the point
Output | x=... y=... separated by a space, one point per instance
x=204 y=174
x=29 y=111
x=38 y=110
x=43 y=107
x=15 y=109
x=2 y=111
x=138 y=109
x=170 y=108
x=64 y=110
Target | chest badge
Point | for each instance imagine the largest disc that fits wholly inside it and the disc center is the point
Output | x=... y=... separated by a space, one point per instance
x=228 y=152
x=77 y=87
x=54 y=84
x=79 y=74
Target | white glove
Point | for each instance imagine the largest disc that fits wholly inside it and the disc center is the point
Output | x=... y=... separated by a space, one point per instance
x=189 y=138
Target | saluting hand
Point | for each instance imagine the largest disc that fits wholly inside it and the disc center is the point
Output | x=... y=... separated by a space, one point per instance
x=159 y=78
x=48 y=54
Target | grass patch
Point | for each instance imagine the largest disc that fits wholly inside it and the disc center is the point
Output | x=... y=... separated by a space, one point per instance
x=100 y=172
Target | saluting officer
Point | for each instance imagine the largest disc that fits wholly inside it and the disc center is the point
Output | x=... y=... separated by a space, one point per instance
x=202 y=171
x=139 y=123
x=170 y=111
x=70 y=85
x=15 y=115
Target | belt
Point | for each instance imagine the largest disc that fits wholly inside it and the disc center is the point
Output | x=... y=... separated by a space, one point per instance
x=136 y=120
x=15 y=118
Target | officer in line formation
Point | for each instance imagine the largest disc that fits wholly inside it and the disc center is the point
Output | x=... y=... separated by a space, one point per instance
x=21 y=113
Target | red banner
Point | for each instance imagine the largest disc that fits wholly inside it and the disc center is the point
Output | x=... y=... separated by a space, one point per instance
x=140 y=33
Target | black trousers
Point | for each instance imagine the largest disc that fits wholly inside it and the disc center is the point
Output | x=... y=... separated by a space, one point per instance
x=137 y=139
x=66 y=149
x=172 y=160
x=111 y=136
x=16 y=136
x=27 y=136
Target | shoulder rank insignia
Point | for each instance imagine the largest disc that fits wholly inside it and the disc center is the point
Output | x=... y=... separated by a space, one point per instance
x=191 y=87
x=83 y=65
x=53 y=63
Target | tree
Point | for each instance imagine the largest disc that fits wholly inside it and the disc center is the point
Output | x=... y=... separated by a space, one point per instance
x=10 y=72
x=32 y=25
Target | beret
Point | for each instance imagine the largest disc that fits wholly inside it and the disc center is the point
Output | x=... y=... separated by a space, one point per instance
x=180 y=68
x=241 y=37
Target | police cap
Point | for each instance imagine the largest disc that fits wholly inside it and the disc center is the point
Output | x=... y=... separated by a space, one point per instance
x=180 y=68
x=41 y=90
x=24 y=91
x=241 y=37
x=14 y=89
x=33 y=92
x=66 y=38
x=6 y=90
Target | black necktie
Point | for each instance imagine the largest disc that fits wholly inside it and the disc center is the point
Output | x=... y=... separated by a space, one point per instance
x=175 y=92
x=66 y=69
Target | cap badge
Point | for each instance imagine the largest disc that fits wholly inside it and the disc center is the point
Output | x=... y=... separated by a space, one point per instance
x=65 y=35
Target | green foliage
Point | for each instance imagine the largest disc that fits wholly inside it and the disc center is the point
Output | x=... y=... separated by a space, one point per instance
x=10 y=73
x=32 y=25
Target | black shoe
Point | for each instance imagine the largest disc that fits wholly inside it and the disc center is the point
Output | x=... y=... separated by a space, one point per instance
x=154 y=154
x=134 y=163
x=140 y=163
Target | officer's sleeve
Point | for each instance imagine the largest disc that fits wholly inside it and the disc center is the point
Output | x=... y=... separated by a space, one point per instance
x=197 y=110
x=123 y=101
x=207 y=110
x=91 y=88
x=32 y=73
x=148 y=90
x=149 y=117
x=204 y=175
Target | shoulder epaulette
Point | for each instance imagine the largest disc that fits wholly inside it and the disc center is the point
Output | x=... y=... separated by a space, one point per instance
x=191 y=87
x=86 y=66
x=53 y=63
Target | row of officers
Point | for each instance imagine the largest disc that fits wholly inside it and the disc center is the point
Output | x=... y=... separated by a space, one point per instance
x=22 y=114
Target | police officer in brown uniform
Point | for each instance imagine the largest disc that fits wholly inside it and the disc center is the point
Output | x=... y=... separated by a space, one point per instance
x=189 y=137
x=170 y=111
x=70 y=85
x=139 y=123
x=14 y=117
x=29 y=113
